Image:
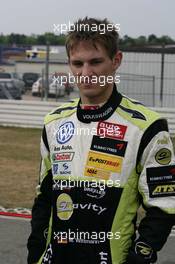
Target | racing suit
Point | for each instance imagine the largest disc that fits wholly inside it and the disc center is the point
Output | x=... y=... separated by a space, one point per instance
x=97 y=167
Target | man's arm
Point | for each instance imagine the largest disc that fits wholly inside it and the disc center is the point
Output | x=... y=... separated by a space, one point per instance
x=41 y=210
x=156 y=163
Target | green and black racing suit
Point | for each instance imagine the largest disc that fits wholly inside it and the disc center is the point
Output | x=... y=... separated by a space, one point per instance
x=97 y=167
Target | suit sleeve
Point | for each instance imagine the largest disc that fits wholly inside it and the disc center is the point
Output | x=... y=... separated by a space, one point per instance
x=156 y=166
x=41 y=210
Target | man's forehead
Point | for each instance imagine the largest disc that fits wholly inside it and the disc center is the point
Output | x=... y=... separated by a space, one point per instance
x=94 y=49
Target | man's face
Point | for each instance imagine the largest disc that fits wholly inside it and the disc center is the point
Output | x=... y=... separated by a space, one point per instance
x=93 y=66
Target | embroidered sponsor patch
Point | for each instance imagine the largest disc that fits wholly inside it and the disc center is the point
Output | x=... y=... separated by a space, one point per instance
x=62 y=156
x=64 y=206
x=63 y=148
x=62 y=169
x=163 y=156
x=104 y=161
x=94 y=172
x=55 y=169
x=161 y=181
x=141 y=248
x=94 y=192
x=65 y=132
x=108 y=145
x=111 y=130
x=100 y=115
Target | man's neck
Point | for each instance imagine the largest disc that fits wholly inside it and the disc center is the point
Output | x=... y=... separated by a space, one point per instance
x=103 y=112
x=91 y=106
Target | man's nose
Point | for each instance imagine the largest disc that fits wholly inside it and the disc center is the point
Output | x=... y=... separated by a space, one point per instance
x=86 y=70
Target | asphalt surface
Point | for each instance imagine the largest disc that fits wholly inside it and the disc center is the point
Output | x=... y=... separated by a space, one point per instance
x=14 y=233
x=13 y=237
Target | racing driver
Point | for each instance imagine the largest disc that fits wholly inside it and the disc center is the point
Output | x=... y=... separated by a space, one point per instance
x=103 y=155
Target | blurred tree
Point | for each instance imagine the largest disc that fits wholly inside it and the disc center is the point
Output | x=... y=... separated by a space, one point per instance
x=41 y=40
x=166 y=40
x=141 y=41
x=54 y=39
x=152 y=39
x=128 y=41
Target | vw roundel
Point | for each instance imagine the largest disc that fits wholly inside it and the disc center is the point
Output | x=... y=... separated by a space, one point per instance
x=65 y=132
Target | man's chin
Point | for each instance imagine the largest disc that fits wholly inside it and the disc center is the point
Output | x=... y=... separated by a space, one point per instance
x=90 y=93
x=90 y=90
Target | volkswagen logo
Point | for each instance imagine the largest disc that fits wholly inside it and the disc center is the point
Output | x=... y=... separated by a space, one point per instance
x=65 y=132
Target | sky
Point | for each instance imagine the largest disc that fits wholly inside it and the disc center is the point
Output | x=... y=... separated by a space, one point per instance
x=136 y=17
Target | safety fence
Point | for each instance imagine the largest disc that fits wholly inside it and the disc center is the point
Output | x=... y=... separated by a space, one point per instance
x=24 y=113
x=31 y=113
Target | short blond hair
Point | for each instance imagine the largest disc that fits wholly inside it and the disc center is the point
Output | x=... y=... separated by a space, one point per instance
x=82 y=30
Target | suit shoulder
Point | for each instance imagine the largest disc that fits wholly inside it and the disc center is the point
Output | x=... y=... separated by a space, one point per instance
x=137 y=113
x=62 y=111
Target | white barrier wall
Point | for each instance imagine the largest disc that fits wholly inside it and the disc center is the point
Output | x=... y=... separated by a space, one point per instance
x=31 y=113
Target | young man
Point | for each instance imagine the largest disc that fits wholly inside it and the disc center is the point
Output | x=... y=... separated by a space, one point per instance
x=102 y=156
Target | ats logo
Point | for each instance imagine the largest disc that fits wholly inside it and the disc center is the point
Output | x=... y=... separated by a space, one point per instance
x=161 y=181
x=164 y=189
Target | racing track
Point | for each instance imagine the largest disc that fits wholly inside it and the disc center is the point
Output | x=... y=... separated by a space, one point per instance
x=14 y=233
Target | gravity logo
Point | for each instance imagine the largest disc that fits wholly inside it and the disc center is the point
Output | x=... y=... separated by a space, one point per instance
x=94 y=207
x=65 y=132
x=65 y=207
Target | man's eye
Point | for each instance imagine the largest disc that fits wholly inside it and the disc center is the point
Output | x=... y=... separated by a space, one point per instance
x=77 y=63
x=96 y=62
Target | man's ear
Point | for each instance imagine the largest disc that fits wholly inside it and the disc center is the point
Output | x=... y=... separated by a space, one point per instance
x=117 y=59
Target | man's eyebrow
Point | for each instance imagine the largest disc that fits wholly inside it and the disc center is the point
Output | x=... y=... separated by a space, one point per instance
x=76 y=60
x=97 y=59
x=91 y=60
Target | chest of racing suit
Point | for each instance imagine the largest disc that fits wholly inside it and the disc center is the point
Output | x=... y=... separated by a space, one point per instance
x=99 y=172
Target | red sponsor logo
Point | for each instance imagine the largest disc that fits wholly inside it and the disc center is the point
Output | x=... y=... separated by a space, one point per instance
x=64 y=156
x=111 y=130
